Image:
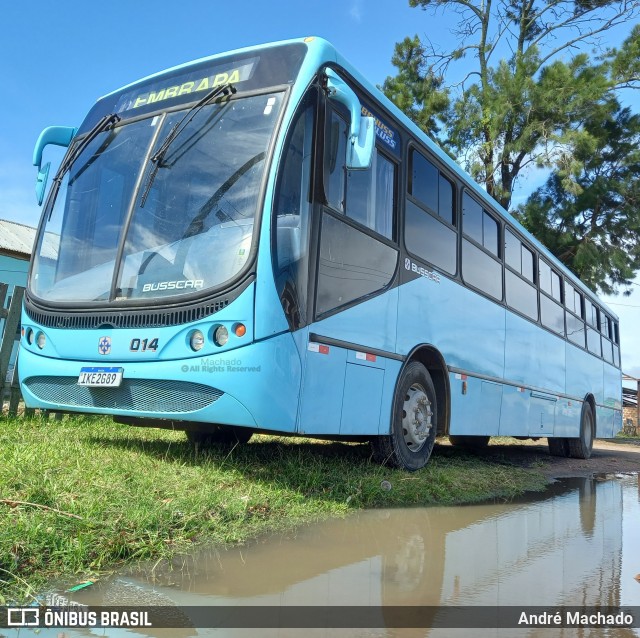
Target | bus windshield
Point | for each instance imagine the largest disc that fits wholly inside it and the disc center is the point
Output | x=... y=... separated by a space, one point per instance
x=125 y=228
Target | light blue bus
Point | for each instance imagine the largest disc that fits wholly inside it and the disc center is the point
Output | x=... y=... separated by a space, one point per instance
x=259 y=241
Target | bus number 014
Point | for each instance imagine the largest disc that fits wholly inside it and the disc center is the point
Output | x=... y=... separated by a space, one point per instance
x=142 y=345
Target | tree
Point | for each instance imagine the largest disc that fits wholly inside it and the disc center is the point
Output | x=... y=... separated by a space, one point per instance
x=525 y=85
x=590 y=221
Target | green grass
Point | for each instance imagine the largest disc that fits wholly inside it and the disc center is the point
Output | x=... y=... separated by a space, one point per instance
x=147 y=493
x=623 y=434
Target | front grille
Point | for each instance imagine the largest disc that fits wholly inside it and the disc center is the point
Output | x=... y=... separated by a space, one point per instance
x=147 y=317
x=141 y=395
x=131 y=319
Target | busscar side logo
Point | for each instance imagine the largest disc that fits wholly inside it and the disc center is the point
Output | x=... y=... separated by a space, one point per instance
x=104 y=345
x=421 y=270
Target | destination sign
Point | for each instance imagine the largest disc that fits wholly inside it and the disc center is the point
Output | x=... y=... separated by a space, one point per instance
x=185 y=85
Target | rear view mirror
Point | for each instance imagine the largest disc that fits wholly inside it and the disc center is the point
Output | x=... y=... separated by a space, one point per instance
x=58 y=136
x=361 y=130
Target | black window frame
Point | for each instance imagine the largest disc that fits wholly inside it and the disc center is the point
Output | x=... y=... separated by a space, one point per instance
x=441 y=175
x=511 y=271
x=485 y=213
x=473 y=243
x=434 y=215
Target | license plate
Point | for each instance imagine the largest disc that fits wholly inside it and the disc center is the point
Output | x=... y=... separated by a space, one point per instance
x=100 y=377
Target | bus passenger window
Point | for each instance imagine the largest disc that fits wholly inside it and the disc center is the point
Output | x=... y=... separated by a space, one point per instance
x=512 y=251
x=424 y=181
x=518 y=257
x=431 y=188
x=334 y=162
x=445 y=203
x=480 y=225
x=607 y=337
x=575 y=329
x=428 y=238
x=371 y=195
x=472 y=218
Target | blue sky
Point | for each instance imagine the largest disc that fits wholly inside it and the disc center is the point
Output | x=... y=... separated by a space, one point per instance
x=56 y=59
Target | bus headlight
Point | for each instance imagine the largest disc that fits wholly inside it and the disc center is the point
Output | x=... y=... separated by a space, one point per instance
x=41 y=340
x=221 y=336
x=196 y=341
x=30 y=336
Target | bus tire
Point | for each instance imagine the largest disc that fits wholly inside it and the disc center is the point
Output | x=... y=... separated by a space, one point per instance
x=219 y=435
x=582 y=447
x=469 y=442
x=558 y=446
x=413 y=428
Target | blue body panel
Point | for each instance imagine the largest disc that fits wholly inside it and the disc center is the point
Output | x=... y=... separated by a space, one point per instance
x=342 y=392
x=438 y=313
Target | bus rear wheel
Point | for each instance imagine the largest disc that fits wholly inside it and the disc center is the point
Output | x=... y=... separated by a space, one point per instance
x=219 y=435
x=413 y=429
x=582 y=447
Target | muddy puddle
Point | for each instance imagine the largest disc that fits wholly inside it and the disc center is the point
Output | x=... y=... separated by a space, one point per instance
x=578 y=544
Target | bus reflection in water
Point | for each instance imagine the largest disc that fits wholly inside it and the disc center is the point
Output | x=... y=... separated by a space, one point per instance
x=560 y=549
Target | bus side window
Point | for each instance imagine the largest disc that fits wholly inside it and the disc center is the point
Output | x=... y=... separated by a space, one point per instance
x=520 y=291
x=371 y=195
x=551 y=313
x=481 y=267
x=430 y=215
x=607 y=337
x=335 y=162
x=293 y=212
x=616 y=344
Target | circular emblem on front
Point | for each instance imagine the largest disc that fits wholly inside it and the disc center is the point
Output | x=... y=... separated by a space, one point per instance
x=104 y=345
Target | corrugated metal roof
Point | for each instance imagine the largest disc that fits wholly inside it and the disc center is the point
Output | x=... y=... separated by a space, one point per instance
x=19 y=238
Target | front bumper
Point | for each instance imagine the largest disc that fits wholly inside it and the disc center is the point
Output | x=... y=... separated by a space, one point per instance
x=254 y=386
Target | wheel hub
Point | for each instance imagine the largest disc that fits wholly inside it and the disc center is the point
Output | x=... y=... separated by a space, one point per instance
x=416 y=417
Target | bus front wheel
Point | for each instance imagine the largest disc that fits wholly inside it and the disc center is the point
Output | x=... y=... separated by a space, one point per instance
x=582 y=447
x=412 y=434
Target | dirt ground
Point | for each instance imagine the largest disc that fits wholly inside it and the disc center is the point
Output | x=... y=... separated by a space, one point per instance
x=609 y=457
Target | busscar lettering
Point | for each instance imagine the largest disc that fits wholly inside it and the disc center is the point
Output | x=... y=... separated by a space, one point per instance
x=420 y=270
x=184 y=284
x=203 y=84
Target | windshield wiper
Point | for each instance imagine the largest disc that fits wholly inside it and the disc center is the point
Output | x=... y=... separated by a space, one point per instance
x=102 y=125
x=158 y=157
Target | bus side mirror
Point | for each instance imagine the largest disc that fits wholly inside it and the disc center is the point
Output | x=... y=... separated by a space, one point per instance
x=41 y=182
x=58 y=136
x=362 y=137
